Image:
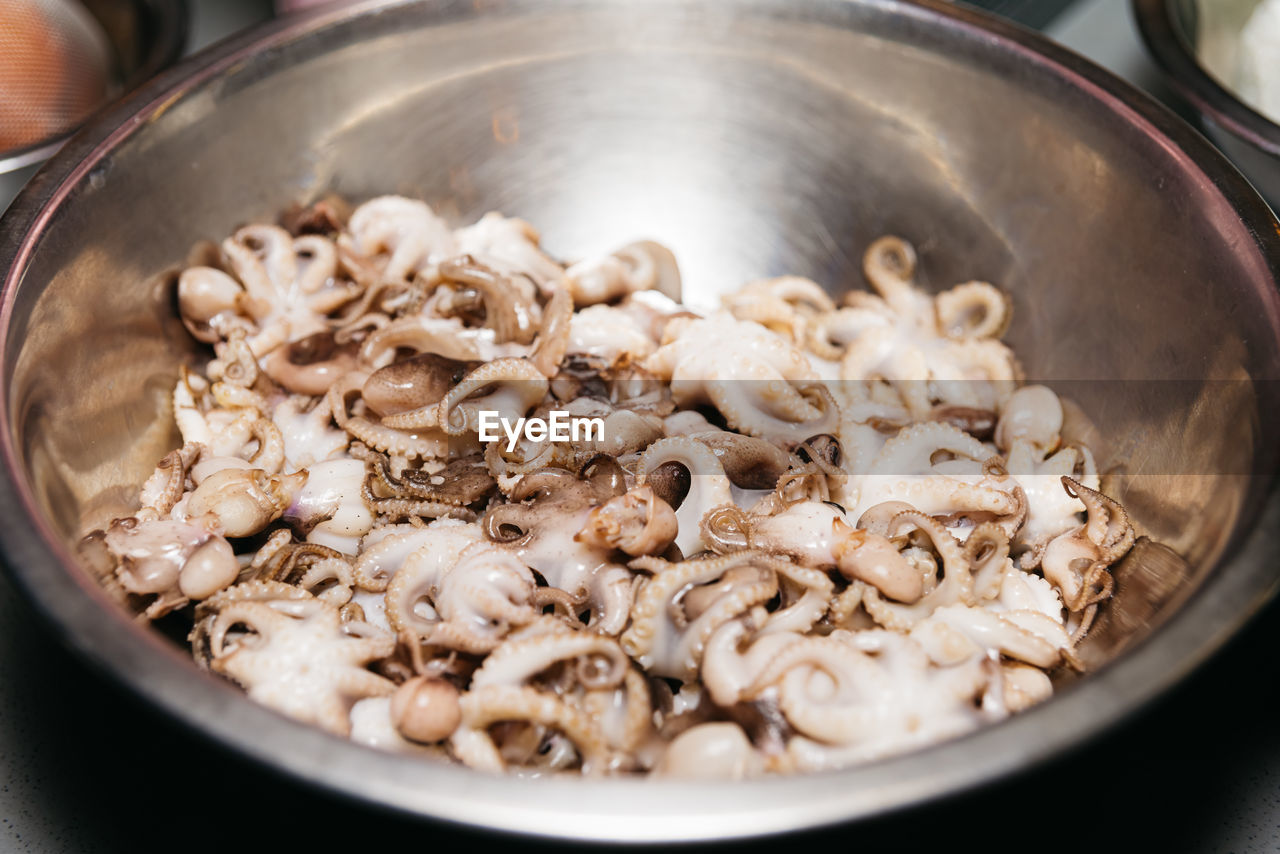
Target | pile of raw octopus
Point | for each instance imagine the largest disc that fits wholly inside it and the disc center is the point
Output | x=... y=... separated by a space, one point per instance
x=813 y=533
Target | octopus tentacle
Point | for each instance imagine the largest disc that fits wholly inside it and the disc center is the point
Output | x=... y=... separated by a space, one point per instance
x=668 y=640
x=404 y=547
x=904 y=470
x=832 y=334
x=509 y=386
x=553 y=337
x=786 y=305
x=803 y=611
x=423 y=444
x=163 y=489
x=312 y=567
x=987 y=550
x=491 y=704
x=445 y=337
x=1076 y=561
x=263 y=259
x=956 y=584
x=629 y=732
x=635 y=267
x=890 y=265
x=509 y=318
x=1107 y=524
x=973 y=310
x=520 y=658
x=267 y=666
x=708 y=486
x=405 y=234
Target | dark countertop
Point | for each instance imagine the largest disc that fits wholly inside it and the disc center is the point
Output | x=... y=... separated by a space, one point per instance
x=85 y=767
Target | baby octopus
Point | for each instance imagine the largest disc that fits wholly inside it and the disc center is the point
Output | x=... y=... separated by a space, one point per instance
x=816 y=530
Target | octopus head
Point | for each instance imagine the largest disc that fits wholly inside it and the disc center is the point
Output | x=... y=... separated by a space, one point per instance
x=244 y=501
x=637 y=522
x=310 y=365
x=410 y=384
x=425 y=709
x=1032 y=414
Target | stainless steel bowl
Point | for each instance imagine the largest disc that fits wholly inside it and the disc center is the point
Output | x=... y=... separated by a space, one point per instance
x=1195 y=43
x=146 y=37
x=758 y=136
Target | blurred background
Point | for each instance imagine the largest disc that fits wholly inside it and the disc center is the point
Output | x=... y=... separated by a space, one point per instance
x=60 y=60
x=85 y=768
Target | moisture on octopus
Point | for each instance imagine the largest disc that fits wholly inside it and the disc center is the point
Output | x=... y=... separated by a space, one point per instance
x=812 y=533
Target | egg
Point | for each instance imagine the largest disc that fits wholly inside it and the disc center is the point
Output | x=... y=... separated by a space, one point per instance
x=55 y=69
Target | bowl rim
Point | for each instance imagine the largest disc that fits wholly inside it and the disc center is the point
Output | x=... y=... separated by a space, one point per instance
x=44 y=571
x=1169 y=45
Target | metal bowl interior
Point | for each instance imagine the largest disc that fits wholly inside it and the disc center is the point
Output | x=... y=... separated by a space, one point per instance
x=1196 y=43
x=754 y=138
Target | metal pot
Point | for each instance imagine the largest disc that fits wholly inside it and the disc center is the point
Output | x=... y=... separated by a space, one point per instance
x=1196 y=45
x=754 y=137
x=146 y=36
